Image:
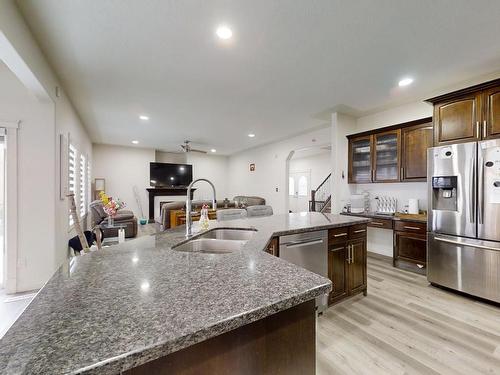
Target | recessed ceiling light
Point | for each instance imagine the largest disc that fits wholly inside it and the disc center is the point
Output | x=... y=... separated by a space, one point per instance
x=213 y=150
x=251 y=135
x=405 y=82
x=135 y=142
x=144 y=117
x=224 y=32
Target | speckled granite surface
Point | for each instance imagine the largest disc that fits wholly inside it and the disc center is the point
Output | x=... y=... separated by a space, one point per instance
x=132 y=303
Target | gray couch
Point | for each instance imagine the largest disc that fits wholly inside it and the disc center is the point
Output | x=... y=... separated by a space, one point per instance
x=126 y=217
x=163 y=222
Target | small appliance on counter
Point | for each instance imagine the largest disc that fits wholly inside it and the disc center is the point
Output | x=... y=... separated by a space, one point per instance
x=386 y=205
x=358 y=203
x=413 y=206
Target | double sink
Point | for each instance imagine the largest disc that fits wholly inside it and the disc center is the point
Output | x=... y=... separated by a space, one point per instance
x=217 y=241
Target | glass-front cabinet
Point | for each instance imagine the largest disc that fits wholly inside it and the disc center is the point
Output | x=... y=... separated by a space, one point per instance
x=360 y=160
x=386 y=160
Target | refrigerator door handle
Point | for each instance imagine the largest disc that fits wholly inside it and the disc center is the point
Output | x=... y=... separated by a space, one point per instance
x=459 y=243
x=480 y=179
x=472 y=199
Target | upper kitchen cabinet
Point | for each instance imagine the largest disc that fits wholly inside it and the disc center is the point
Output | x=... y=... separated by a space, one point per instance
x=415 y=142
x=467 y=115
x=391 y=154
x=457 y=120
x=491 y=121
x=386 y=161
x=360 y=159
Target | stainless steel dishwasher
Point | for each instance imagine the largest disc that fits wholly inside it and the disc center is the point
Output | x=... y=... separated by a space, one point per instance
x=310 y=251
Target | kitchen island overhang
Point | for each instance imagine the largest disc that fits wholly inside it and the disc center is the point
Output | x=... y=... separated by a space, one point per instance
x=140 y=301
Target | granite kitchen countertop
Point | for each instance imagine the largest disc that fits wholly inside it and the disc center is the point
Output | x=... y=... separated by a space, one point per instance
x=128 y=304
x=372 y=215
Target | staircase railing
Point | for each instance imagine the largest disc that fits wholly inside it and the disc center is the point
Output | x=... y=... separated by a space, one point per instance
x=321 y=196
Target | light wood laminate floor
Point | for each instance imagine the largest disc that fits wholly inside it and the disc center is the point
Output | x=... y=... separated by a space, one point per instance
x=406 y=326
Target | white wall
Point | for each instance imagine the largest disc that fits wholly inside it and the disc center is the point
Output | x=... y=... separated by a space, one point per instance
x=379 y=240
x=270 y=168
x=123 y=168
x=42 y=218
x=319 y=165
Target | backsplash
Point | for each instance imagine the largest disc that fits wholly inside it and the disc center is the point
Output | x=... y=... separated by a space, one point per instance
x=403 y=192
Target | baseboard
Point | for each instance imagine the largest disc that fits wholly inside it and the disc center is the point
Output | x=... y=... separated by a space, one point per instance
x=379 y=256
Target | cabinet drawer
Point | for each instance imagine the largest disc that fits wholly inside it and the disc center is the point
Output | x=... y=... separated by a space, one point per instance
x=410 y=226
x=337 y=235
x=357 y=231
x=381 y=223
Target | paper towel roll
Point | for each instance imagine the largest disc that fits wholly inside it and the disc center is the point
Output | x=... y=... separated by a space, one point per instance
x=413 y=206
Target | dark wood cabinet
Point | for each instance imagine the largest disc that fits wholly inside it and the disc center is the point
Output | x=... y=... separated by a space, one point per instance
x=386 y=156
x=392 y=154
x=357 y=266
x=360 y=160
x=467 y=115
x=410 y=245
x=491 y=121
x=458 y=120
x=273 y=247
x=337 y=271
x=347 y=261
x=415 y=142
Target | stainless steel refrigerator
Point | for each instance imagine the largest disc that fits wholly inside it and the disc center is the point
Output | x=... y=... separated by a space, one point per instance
x=463 y=241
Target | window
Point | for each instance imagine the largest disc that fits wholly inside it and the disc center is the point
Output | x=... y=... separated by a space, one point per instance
x=302 y=186
x=83 y=186
x=71 y=176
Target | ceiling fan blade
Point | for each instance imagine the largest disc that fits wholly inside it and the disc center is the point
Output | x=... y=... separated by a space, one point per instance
x=200 y=151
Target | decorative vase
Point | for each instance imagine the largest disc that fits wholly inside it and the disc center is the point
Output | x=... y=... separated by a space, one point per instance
x=111 y=221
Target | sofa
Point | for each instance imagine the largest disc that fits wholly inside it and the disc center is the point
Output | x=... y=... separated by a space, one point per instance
x=163 y=222
x=126 y=217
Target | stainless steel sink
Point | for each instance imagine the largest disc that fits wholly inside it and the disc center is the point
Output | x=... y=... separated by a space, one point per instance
x=210 y=246
x=229 y=234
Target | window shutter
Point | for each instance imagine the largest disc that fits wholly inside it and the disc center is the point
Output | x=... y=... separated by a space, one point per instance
x=71 y=176
x=83 y=186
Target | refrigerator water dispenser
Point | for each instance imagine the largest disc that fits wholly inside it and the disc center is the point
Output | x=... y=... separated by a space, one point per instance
x=444 y=193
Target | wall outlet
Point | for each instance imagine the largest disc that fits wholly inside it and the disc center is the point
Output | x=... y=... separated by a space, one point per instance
x=277 y=190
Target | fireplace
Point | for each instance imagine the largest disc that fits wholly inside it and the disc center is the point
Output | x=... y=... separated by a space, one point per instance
x=176 y=193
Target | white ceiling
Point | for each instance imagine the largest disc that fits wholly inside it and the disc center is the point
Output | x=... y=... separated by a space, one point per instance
x=288 y=63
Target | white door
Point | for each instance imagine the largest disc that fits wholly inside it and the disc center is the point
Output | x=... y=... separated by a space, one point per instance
x=2 y=207
x=299 y=191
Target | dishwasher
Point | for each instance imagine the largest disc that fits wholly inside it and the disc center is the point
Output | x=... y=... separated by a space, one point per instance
x=310 y=251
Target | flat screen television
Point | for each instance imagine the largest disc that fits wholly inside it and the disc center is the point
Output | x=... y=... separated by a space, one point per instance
x=167 y=174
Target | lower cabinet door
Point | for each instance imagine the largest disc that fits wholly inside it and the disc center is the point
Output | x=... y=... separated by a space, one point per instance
x=357 y=265
x=410 y=247
x=337 y=271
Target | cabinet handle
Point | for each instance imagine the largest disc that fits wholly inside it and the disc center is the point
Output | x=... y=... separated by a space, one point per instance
x=360 y=231
x=415 y=228
x=376 y=223
x=485 y=128
x=340 y=235
x=352 y=253
x=478 y=131
x=337 y=248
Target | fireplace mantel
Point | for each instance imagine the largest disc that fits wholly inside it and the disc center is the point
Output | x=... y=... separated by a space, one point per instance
x=156 y=191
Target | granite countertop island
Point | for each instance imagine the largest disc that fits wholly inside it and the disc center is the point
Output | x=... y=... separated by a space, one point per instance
x=115 y=309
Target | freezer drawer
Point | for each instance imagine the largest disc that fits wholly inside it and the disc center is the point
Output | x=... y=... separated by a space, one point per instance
x=466 y=265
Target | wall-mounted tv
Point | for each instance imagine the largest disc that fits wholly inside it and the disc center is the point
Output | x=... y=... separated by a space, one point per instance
x=167 y=174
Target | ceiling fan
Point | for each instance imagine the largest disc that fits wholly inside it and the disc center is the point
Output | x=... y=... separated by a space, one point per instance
x=186 y=147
